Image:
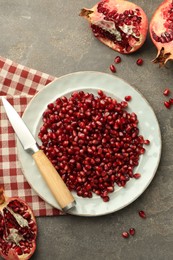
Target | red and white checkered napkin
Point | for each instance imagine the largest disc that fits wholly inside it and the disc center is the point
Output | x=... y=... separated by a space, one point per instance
x=18 y=84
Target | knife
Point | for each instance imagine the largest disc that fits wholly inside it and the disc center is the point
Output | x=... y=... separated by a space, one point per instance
x=46 y=168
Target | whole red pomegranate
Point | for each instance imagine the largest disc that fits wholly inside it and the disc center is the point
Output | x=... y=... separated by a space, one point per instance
x=161 y=31
x=119 y=24
x=18 y=229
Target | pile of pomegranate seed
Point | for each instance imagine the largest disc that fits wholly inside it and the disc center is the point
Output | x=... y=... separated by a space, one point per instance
x=92 y=141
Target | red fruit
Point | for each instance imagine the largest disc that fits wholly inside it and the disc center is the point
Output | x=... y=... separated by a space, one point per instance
x=139 y=62
x=119 y=24
x=161 y=31
x=136 y=175
x=125 y=234
x=167 y=104
x=147 y=142
x=142 y=214
x=18 y=229
x=117 y=59
x=127 y=98
x=112 y=68
x=132 y=231
x=166 y=92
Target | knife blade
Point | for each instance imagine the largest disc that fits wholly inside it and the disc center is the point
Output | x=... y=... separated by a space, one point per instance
x=55 y=183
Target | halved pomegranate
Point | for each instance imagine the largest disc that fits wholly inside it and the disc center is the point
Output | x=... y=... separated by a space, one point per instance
x=18 y=229
x=119 y=24
x=161 y=31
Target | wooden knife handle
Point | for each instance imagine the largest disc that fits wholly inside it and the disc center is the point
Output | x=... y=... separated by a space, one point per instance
x=54 y=181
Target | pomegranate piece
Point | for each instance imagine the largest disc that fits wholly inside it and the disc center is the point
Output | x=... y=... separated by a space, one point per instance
x=146 y=142
x=132 y=231
x=139 y=62
x=167 y=104
x=161 y=32
x=142 y=214
x=137 y=175
x=112 y=68
x=92 y=141
x=128 y=98
x=121 y=25
x=125 y=234
x=166 y=92
x=117 y=59
x=18 y=229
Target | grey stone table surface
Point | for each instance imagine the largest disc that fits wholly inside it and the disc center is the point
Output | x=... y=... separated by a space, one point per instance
x=51 y=37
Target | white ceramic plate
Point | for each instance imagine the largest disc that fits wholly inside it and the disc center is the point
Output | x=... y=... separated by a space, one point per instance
x=148 y=125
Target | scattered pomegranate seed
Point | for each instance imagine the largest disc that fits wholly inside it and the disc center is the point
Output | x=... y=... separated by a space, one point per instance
x=132 y=231
x=167 y=104
x=117 y=59
x=136 y=175
x=106 y=198
x=125 y=234
x=166 y=92
x=147 y=142
x=112 y=68
x=128 y=98
x=171 y=101
x=142 y=214
x=139 y=61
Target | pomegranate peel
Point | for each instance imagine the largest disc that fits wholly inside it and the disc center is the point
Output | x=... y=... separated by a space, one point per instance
x=119 y=24
x=161 y=32
x=18 y=229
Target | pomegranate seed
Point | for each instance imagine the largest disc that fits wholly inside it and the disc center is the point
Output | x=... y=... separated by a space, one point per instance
x=117 y=59
x=105 y=199
x=136 y=175
x=166 y=92
x=125 y=234
x=139 y=61
x=132 y=231
x=171 y=101
x=112 y=68
x=128 y=98
x=167 y=104
x=142 y=214
x=147 y=142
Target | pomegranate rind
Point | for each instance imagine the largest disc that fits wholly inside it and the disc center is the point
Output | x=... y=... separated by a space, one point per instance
x=12 y=255
x=94 y=17
x=157 y=27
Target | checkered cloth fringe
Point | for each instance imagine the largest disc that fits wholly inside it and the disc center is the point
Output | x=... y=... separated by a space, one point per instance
x=19 y=84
